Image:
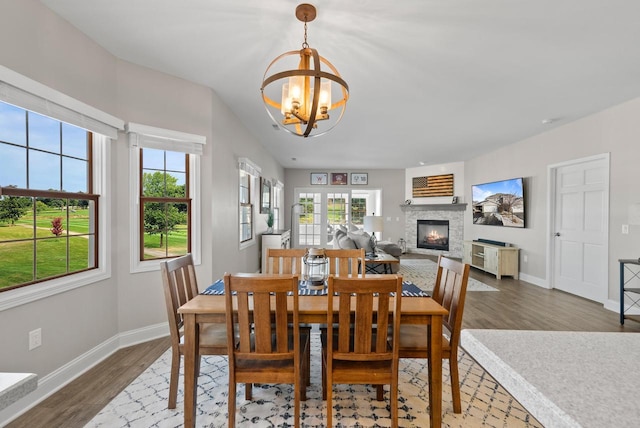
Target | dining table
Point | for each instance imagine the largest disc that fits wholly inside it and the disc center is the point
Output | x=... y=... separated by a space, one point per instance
x=312 y=309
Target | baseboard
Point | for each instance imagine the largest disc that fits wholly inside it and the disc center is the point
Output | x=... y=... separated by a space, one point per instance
x=540 y=282
x=57 y=379
x=614 y=306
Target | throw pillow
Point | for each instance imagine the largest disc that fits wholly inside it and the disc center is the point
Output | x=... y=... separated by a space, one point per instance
x=346 y=243
x=362 y=240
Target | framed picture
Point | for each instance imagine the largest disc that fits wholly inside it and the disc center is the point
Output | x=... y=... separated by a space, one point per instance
x=359 y=178
x=338 y=178
x=319 y=178
x=265 y=196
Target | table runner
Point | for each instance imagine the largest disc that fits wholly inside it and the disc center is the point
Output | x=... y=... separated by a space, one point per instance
x=409 y=289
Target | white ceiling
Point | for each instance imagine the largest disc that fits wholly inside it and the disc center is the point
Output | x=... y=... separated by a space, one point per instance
x=435 y=81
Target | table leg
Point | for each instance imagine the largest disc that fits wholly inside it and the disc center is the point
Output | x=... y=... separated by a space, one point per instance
x=191 y=354
x=435 y=371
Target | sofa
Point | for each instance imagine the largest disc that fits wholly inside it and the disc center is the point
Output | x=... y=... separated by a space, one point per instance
x=348 y=237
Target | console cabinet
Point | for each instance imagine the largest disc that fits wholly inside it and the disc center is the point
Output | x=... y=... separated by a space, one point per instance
x=275 y=239
x=494 y=259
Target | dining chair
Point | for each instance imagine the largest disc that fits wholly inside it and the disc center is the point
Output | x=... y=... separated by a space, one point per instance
x=344 y=261
x=265 y=343
x=289 y=261
x=180 y=286
x=450 y=291
x=285 y=260
x=352 y=352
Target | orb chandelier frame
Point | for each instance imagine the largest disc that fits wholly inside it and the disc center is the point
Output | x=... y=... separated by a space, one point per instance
x=302 y=99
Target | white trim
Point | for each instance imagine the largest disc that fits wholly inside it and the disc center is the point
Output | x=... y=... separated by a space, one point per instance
x=246 y=165
x=540 y=282
x=614 y=306
x=136 y=265
x=26 y=93
x=165 y=139
x=101 y=167
x=62 y=376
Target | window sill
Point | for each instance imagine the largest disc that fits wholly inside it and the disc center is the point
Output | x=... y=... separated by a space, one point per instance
x=31 y=293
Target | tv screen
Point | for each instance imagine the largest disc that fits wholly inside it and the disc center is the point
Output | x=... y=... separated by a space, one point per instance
x=500 y=203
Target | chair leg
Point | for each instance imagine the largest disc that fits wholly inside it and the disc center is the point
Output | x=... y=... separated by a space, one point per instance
x=248 y=388
x=327 y=394
x=232 y=403
x=455 y=382
x=173 y=380
x=324 y=375
x=393 y=402
x=380 y=392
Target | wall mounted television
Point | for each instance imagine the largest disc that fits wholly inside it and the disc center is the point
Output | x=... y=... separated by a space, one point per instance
x=499 y=203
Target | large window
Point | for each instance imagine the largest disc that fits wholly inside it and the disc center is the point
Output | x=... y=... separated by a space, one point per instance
x=48 y=209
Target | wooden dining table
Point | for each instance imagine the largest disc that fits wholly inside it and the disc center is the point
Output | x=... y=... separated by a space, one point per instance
x=311 y=310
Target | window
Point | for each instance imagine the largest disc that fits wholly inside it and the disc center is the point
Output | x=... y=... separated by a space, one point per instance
x=249 y=184
x=277 y=203
x=165 y=188
x=246 y=209
x=165 y=204
x=47 y=205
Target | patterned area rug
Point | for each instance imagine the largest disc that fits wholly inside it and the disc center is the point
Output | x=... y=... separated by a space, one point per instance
x=144 y=402
x=422 y=272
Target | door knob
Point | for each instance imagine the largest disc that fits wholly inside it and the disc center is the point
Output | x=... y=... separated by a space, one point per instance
x=557 y=234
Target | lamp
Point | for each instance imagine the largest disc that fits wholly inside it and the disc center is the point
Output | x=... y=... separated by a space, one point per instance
x=373 y=224
x=305 y=90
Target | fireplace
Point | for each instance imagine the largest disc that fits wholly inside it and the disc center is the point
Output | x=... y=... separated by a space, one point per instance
x=433 y=234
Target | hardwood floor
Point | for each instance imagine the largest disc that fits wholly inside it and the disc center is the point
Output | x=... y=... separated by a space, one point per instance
x=518 y=306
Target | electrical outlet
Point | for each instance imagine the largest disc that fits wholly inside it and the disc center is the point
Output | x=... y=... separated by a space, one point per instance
x=35 y=338
x=625 y=229
x=525 y=258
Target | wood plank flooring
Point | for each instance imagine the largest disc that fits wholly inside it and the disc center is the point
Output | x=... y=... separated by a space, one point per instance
x=518 y=306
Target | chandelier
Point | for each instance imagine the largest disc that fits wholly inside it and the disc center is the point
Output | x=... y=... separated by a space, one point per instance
x=299 y=97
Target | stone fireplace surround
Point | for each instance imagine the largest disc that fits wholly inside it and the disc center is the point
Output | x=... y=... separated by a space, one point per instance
x=452 y=212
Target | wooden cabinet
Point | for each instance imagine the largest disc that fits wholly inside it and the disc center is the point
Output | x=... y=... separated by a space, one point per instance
x=494 y=259
x=275 y=239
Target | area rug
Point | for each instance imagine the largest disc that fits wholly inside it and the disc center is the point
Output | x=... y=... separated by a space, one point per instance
x=144 y=402
x=422 y=272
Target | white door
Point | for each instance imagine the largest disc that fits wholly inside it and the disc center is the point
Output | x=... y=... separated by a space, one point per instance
x=580 y=227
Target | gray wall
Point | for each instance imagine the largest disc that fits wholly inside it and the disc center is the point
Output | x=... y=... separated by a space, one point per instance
x=390 y=181
x=45 y=48
x=615 y=131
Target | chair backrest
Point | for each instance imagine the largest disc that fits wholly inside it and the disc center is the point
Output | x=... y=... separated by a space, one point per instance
x=450 y=291
x=285 y=260
x=345 y=261
x=264 y=303
x=180 y=286
x=370 y=296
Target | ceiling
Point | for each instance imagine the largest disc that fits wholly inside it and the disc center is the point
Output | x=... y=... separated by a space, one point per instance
x=430 y=81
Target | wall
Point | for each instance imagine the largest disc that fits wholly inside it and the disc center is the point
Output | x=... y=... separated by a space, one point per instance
x=390 y=181
x=615 y=131
x=85 y=324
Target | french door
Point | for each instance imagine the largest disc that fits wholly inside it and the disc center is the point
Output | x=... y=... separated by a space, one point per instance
x=316 y=213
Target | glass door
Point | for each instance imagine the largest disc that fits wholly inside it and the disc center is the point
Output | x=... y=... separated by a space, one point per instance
x=316 y=214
